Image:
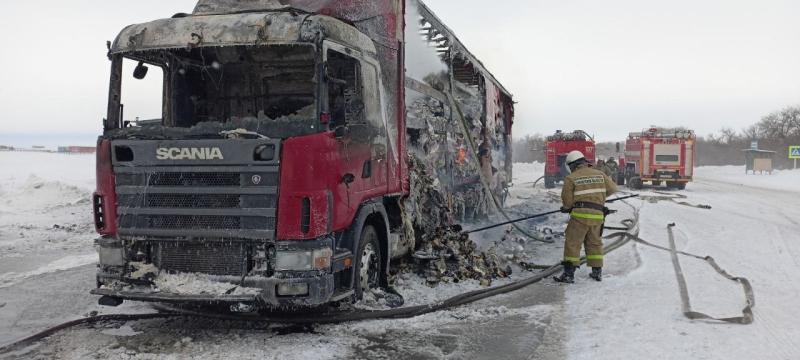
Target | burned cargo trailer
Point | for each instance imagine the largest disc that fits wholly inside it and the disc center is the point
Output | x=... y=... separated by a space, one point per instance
x=278 y=173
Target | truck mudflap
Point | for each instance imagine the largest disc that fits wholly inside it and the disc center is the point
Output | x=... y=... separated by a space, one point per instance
x=320 y=291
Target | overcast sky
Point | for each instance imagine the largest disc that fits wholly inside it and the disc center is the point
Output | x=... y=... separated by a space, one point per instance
x=608 y=67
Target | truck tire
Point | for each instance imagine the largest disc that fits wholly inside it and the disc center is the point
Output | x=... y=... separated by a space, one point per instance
x=549 y=182
x=635 y=183
x=368 y=265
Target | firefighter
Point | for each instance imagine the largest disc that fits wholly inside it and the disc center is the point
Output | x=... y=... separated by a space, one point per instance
x=601 y=164
x=612 y=164
x=584 y=195
x=605 y=168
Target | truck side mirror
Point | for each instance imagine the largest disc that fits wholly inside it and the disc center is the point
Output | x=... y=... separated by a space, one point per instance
x=140 y=72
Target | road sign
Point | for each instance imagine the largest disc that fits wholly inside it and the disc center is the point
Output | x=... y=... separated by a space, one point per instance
x=794 y=152
x=754 y=144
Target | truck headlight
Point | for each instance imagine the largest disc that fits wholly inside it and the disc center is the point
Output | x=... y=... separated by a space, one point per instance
x=304 y=260
x=293 y=260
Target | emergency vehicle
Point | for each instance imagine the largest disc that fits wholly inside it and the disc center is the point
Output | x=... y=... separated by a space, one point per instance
x=660 y=156
x=557 y=146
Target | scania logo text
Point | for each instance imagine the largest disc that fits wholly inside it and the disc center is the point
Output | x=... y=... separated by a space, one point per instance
x=207 y=153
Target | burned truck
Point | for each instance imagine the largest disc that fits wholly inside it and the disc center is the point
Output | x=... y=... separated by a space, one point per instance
x=284 y=167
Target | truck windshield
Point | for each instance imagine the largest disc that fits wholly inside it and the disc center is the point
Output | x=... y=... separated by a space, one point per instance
x=270 y=90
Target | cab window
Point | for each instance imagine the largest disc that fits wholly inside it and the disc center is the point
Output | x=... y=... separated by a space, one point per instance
x=345 y=100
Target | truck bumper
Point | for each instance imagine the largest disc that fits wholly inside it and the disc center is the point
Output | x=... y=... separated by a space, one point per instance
x=296 y=288
x=672 y=179
x=320 y=291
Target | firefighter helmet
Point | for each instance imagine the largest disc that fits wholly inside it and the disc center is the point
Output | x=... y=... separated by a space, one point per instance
x=574 y=156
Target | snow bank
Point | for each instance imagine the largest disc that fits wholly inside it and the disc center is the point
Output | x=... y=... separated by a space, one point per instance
x=783 y=180
x=45 y=212
x=37 y=194
x=75 y=170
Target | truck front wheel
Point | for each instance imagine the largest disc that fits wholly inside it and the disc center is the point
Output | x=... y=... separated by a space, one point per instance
x=368 y=267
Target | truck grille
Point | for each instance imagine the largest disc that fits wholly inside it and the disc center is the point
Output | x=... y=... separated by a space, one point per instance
x=234 y=198
x=208 y=258
x=193 y=179
x=192 y=201
x=193 y=222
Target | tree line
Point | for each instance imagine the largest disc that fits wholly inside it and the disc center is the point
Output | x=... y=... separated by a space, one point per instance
x=775 y=131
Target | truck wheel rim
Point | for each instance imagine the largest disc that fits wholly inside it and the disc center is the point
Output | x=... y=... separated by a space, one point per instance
x=369 y=267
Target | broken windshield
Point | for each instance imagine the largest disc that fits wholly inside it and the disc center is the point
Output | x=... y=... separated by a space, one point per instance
x=270 y=90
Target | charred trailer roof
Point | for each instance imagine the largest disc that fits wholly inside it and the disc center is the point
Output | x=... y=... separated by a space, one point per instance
x=270 y=27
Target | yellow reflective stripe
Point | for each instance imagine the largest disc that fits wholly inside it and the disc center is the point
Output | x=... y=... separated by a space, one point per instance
x=590 y=191
x=594 y=257
x=578 y=215
x=572 y=259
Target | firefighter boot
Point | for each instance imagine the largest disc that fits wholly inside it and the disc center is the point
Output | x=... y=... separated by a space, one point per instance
x=597 y=274
x=568 y=276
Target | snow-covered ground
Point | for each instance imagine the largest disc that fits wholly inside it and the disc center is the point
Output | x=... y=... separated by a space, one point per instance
x=752 y=231
x=783 y=180
x=46 y=255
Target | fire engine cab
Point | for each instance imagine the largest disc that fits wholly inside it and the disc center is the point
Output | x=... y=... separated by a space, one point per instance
x=660 y=156
x=557 y=146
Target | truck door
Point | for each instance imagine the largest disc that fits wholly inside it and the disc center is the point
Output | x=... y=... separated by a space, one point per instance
x=376 y=122
x=355 y=115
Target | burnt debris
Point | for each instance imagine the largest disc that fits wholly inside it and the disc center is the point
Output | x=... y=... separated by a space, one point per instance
x=444 y=252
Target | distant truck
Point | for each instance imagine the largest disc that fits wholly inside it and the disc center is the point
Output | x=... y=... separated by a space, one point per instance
x=557 y=146
x=281 y=169
x=77 y=149
x=660 y=156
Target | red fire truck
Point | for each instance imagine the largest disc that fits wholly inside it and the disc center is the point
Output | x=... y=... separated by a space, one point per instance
x=660 y=156
x=278 y=174
x=557 y=146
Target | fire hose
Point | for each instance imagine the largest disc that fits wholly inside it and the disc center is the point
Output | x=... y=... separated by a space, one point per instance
x=529 y=217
